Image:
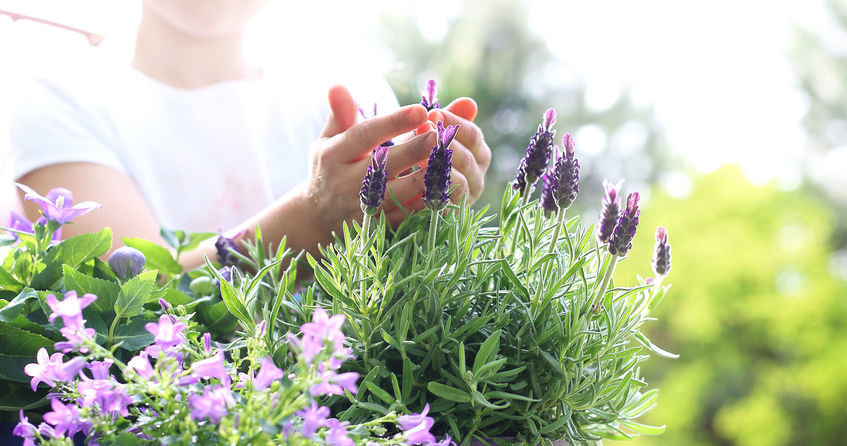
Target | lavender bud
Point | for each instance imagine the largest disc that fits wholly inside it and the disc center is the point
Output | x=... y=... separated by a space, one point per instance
x=621 y=240
x=127 y=262
x=437 y=176
x=611 y=209
x=225 y=247
x=164 y=304
x=207 y=343
x=537 y=154
x=428 y=99
x=260 y=329
x=560 y=183
x=662 y=253
x=373 y=186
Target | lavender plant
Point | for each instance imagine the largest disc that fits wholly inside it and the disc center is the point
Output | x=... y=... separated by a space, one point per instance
x=516 y=330
x=185 y=389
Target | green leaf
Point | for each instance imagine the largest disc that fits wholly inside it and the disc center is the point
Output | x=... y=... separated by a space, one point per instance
x=448 y=393
x=73 y=251
x=642 y=428
x=8 y=282
x=195 y=238
x=173 y=296
x=230 y=298
x=157 y=256
x=379 y=393
x=105 y=291
x=217 y=317
x=134 y=294
x=487 y=351
x=18 y=349
x=133 y=336
x=12 y=309
x=14 y=396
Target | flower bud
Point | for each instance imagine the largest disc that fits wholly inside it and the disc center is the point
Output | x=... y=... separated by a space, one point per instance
x=373 y=186
x=260 y=329
x=561 y=182
x=164 y=304
x=225 y=247
x=428 y=99
x=437 y=176
x=207 y=343
x=621 y=240
x=662 y=253
x=537 y=154
x=202 y=286
x=127 y=262
x=611 y=209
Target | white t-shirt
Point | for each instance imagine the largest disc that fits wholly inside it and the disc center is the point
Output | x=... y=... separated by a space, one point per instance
x=204 y=159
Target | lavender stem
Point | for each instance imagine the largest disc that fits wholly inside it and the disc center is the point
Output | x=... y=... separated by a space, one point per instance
x=605 y=283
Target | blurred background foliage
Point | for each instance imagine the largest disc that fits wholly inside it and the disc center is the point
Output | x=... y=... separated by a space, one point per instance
x=757 y=310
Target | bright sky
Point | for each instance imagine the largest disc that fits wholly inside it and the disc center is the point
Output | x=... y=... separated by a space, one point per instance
x=715 y=70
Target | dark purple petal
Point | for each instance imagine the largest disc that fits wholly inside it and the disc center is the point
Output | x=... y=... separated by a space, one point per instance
x=428 y=99
x=437 y=177
x=373 y=186
x=621 y=240
x=611 y=209
x=662 y=253
x=226 y=248
x=560 y=183
x=537 y=155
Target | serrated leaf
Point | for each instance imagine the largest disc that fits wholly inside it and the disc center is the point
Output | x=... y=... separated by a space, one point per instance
x=73 y=251
x=134 y=294
x=106 y=292
x=18 y=349
x=12 y=309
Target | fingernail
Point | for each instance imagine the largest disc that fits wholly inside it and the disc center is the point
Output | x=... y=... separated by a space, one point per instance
x=431 y=138
x=416 y=114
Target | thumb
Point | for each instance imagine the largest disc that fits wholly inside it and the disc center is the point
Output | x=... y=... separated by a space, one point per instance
x=342 y=111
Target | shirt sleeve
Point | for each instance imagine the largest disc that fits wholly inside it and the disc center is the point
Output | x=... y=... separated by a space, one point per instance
x=53 y=123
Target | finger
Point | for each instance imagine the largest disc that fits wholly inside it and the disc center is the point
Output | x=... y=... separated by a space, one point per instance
x=466 y=164
x=403 y=156
x=425 y=127
x=397 y=215
x=469 y=135
x=403 y=189
x=342 y=111
x=463 y=107
x=364 y=136
x=461 y=187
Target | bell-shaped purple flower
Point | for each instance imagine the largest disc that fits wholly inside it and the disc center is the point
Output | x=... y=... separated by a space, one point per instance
x=20 y=223
x=373 y=186
x=225 y=247
x=537 y=154
x=58 y=205
x=212 y=404
x=662 y=253
x=127 y=262
x=621 y=240
x=611 y=209
x=437 y=176
x=25 y=429
x=561 y=182
x=428 y=99
x=416 y=427
x=268 y=373
x=50 y=369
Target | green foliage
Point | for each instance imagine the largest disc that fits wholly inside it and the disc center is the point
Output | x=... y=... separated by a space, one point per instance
x=756 y=315
x=499 y=343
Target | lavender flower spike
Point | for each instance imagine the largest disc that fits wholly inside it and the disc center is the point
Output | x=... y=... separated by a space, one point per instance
x=537 y=154
x=225 y=247
x=662 y=253
x=373 y=186
x=621 y=240
x=611 y=209
x=437 y=176
x=561 y=182
x=428 y=99
x=58 y=205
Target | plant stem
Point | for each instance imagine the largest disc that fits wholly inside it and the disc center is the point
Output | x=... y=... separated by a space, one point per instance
x=605 y=283
x=558 y=228
x=524 y=201
x=657 y=285
x=433 y=230
x=112 y=330
x=366 y=223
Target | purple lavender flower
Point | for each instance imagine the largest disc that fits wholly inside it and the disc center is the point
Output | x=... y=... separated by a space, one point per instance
x=212 y=404
x=268 y=373
x=437 y=176
x=212 y=367
x=611 y=209
x=25 y=430
x=313 y=418
x=226 y=247
x=373 y=186
x=127 y=262
x=57 y=206
x=662 y=253
x=560 y=183
x=65 y=419
x=69 y=309
x=428 y=99
x=537 y=155
x=337 y=435
x=50 y=369
x=621 y=240
x=416 y=427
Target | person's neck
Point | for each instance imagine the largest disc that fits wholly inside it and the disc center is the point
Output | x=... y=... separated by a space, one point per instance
x=184 y=61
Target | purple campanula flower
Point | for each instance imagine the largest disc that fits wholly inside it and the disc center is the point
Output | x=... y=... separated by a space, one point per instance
x=212 y=404
x=313 y=418
x=127 y=262
x=164 y=304
x=100 y=369
x=662 y=253
x=166 y=333
x=225 y=247
x=561 y=182
x=75 y=339
x=437 y=176
x=25 y=430
x=337 y=435
x=69 y=309
x=309 y=346
x=373 y=186
x=268 y=373
x=611 y=209
x=333 y=383
x=141 y=365
x=207 y=343
x=50 y=369
x=64 y=418
x=58 y=205
x=324 y=326
x=428 y=99
x=537 y=155
x=20 y=223
x=416 y=427
x=109 y=395
x=212 y=367
x=621 y=240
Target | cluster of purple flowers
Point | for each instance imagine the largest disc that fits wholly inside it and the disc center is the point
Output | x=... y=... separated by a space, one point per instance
x=616 y=227
x=428 y=99
x=373 y=187
x=437 y=176
x=560 y=183
x=662 y=253
x=537 y=155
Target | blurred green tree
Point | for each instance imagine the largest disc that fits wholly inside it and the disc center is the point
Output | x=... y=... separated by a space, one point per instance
x=495 y=56
x=754 y=312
